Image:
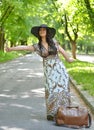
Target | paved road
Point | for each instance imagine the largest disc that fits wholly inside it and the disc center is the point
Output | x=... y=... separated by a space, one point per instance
x=22 y=102
x=88 y=58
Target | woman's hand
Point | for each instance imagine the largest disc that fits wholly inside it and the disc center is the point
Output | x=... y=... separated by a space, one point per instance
x=8 y=49
x=70 y=60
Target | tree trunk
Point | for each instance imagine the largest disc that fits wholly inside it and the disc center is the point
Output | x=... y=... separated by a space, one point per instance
x=73 y=43
x=81 y=47
x=11 y=43
x=2 y=40
x=23 y=42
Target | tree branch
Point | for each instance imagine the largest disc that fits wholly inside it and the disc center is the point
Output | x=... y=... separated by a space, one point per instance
x=75 y=33
x=90 y=11
x=6 y=14
x=66 y=27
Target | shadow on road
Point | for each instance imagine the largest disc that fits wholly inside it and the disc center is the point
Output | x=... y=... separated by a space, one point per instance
x=22 y=98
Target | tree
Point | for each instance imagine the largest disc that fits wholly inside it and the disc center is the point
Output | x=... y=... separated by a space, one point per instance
x=90 y=12
x=75 y=32
x=2 y=39
x=74 y=17
x=5 y=14
x=64 y=20
x=16 y=19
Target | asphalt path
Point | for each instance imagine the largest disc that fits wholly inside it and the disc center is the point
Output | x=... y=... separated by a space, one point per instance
x=22 y=96
x=87 y=58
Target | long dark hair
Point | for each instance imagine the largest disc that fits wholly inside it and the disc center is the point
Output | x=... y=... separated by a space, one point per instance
x=52 y=50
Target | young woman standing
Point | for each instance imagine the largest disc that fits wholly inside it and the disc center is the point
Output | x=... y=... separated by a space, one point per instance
x=56 y=78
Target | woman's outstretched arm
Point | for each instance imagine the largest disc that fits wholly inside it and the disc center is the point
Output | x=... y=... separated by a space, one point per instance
x=20 y=48
x=63 y=52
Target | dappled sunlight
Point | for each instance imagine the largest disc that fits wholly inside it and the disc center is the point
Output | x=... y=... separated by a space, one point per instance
x=21 y=106
x=38 y=92
x=35 y=120
x=23 y=69
x=6 y=90
x=8 y=96
x=4 y=71
x=22 y=103
x=29 y=72
x=79 y=68
x=64 y=3
x=25 y=95
x=21 y=80
x=34 y=75
x=10 y=128
x=20 y=63
x=83 y=74
x=2 y=105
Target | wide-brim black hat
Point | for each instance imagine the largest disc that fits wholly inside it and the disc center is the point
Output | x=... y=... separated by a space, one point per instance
x=35 y=30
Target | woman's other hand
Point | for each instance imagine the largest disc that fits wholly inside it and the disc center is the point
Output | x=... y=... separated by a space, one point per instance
x=8 y=49
x=70 y=60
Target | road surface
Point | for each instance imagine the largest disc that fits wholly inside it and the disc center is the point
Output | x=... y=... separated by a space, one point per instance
x=22 y=102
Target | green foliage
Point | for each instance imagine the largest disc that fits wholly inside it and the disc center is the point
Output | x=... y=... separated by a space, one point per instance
x=18 y=16
x=83 y=73
x=9 y=56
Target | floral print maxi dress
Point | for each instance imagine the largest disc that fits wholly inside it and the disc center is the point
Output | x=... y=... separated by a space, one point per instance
x=56 y=81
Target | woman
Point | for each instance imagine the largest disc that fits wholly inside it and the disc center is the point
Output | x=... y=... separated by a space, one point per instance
x=56 y=77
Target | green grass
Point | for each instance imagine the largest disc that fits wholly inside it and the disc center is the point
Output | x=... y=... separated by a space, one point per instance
x=7 y=56
x=83 y=74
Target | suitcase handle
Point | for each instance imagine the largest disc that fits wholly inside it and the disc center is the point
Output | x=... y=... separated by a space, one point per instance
x=89 y=121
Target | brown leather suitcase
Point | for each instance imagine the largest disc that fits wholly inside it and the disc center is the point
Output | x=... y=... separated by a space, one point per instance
x=73 y=117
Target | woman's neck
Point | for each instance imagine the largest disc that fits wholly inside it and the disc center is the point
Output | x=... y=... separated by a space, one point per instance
x=43 y=40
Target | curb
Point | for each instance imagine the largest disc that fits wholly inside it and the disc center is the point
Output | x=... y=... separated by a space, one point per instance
x=89 y=100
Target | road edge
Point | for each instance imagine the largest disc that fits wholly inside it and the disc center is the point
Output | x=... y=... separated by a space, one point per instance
x=89 y=100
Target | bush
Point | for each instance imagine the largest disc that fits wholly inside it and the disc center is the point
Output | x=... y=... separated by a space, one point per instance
x=9 y=56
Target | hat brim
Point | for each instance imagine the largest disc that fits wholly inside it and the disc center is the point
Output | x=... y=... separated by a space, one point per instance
x=35 y=31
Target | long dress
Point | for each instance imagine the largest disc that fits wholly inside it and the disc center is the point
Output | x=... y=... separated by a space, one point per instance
x=56 y=81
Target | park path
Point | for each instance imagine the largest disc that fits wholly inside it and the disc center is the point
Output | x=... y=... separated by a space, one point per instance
x=22 y=102
x=87 y=58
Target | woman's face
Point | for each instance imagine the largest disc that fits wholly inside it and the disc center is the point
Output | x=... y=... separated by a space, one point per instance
x=42 y=32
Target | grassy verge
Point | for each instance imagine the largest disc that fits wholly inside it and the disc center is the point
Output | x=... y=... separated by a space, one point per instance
x=83 y=74
x=9 y=56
